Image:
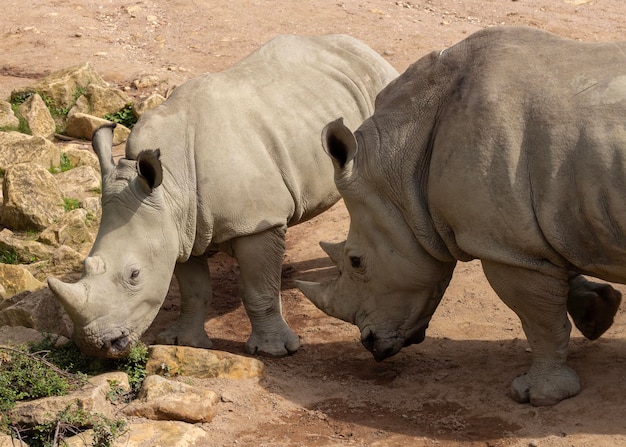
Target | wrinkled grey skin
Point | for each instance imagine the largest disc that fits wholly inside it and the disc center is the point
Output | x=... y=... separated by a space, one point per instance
x=228 y=162
x=508 y=147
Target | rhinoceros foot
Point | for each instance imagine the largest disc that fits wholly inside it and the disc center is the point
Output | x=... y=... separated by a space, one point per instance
x=592 y=306
x=276 y=343
x=546 y=387
x=182 y=335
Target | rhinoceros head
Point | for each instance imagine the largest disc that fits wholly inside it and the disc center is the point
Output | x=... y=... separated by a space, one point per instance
x=127 y=273
x=388 y=285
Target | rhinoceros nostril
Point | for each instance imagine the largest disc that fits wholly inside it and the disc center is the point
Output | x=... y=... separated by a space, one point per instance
x=120 y=344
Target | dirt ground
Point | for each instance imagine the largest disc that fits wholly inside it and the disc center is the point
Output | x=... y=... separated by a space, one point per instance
x=451 y=390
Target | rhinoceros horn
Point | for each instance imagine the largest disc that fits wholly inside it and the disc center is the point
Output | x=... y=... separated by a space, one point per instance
x=322 y=295
x=73 y=297
x=333 y=250
x=102 y=143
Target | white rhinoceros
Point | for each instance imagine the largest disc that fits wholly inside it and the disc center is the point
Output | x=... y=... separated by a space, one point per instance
x=226 y=163
x=509 y=147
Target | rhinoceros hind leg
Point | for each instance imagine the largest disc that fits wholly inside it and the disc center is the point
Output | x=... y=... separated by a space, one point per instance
x=592 y=305
x=194 y=282
x=540 y=302
x=260 y=258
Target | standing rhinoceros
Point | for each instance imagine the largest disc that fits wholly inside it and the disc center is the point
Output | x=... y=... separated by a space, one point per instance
x=228 y=162
x=509 y=147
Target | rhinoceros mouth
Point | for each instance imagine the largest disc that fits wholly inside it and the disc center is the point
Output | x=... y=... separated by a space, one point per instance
x=388 y=345
x=113 y=345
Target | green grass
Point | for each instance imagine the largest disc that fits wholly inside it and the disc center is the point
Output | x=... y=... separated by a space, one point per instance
x=124 y=116
x=70 y=204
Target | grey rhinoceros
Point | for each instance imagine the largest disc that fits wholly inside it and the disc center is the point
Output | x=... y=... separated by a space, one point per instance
x=227 y=162
x=508 y=147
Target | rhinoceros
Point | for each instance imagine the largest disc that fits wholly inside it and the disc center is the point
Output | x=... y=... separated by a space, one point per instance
x=508 y=147
x=227 y=162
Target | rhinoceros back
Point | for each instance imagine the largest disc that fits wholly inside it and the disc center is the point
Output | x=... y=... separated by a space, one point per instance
x=252 y=132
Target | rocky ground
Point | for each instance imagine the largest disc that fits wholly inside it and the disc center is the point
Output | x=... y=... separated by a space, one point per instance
x=452 y=390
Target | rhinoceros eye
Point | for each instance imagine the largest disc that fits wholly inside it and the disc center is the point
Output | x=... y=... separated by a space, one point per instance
x=355 y=262
x=134 y=274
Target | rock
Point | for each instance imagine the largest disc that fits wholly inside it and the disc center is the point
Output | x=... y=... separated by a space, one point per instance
x=16 y=279
x=62 y=86
x=82 y=181
x=164 y=399
x=92 y=398
x=18 y=148
x=71 y=229
x=100 y=101
x=38 y=310
x=79 y=156
x=201 y=363
x=63 y=260
x=32 y=200
x=26 y=250
x=81 y=125
x=7 y=117
x=19 y=336
x=38 y=117
x=151 y=434
x=8 y=441
x=149 y=103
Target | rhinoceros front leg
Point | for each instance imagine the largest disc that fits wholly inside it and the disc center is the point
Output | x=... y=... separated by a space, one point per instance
x=194 y=282
x=592 y=305
x=260 y=258
x=540 y=302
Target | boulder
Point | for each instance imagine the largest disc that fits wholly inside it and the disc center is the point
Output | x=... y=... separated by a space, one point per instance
x=32 y=200
x=81 y=125
x=38 y=310
x=146 y=104
x=100 y=101
x=81 y=156
x=63 y=86
x=165 y=399
x=71 y=229
x=15 y=336
x=82 y=181
x=16 y=279
x=7 y=117
x=38 y=117
x=17 y=148
x=201 y=363
x=26 y=250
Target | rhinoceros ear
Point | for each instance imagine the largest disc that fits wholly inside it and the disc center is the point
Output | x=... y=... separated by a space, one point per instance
x=102 y=143
x=150 y=169
x=339 y=143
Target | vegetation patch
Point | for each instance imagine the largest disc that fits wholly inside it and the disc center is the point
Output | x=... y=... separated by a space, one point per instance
x=124 y=116
x=9 y=256
x=70 y=204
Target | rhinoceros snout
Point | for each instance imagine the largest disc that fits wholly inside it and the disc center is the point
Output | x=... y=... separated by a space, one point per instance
x=381 y=348
x=118 y=347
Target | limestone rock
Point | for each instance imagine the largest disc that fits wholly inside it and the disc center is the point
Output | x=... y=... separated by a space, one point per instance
x=26 y=250
x=149 y=103
x=16 y=279
x=81 y=125
x=8 y=441
x=71 y=229
x=32 y=199
x=80 y=156
x=20 y=336
x=82 y=181
x=62 y=86
x=38 y=117
x=39 y=310
x=100 y=101
x=163 y=399
x=63 y=260
x=17 y=148
x=151 y=434
x=7 y=117
x=201 y=363
x=92 y=398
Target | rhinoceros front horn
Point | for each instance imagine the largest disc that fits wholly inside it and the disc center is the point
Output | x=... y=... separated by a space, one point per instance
x=322 y=295
x=73 y=297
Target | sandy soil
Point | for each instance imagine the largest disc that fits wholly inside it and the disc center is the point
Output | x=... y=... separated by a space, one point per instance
x=452 y=390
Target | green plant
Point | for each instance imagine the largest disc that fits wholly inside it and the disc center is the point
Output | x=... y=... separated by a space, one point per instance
x=55 y=110
x=66 y=163
x=70 y=204
x=80 y=91
x=124 y=116
x=135 y=365
x=9 y=256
